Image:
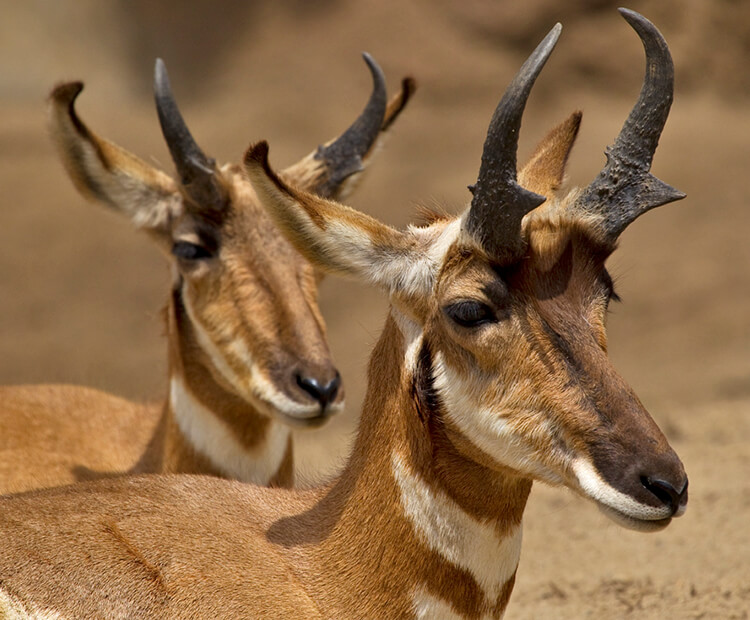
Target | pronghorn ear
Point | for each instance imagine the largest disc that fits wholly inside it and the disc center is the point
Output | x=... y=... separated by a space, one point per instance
x=545 y=171
x=104 y=172
x=333 y=237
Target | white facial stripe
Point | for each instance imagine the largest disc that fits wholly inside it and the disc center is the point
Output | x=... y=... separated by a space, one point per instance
x=493 y=434
x=457 y=536
x=211 y=437
x=596 y=488
x=412 y=334
x=257 y=389
x=487 y=429
x=209 y=347
x=267 y=393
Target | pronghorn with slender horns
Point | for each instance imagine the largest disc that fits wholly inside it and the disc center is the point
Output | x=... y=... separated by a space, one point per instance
x=491 y=372
x=248 y=358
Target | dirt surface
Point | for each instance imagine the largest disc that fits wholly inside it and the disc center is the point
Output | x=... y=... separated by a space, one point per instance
x=80 y=292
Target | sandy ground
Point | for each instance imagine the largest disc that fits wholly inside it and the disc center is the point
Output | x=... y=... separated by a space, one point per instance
x=80 y=293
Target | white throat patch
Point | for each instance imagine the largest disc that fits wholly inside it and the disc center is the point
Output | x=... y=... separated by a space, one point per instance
x=458 y=537
x=210 y=436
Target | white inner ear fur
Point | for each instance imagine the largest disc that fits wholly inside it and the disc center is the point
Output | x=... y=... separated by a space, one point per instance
x=145 y=195
x=413 y=271
x=410 y=268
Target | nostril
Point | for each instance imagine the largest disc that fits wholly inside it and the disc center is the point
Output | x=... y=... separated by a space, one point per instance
x=309 y=385
x=324 y=393
x=665 y=492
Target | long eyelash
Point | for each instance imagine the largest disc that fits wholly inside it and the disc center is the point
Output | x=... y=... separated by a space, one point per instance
x=609 y=283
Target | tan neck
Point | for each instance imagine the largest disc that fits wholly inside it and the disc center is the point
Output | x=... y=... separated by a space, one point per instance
x=208 y=429
x=447 y=528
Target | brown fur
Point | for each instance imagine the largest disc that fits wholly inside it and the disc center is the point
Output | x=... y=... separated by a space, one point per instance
x=258 y=291
x=489 y=374
x=360 y=547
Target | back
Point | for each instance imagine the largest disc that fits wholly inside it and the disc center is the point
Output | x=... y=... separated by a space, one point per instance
x=128 y=558
x=68 y=416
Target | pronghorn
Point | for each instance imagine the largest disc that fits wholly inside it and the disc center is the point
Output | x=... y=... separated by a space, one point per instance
x=491 y=372
x=248 y=357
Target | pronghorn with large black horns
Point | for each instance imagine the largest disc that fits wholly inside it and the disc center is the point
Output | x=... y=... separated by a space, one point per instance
x=491 y=372
x=248 y=357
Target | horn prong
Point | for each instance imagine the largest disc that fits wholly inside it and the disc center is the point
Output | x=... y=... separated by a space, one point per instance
x=625 y=188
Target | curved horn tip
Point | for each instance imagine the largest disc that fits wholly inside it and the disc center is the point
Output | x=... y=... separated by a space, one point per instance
x=646 y=30
x=161 y=77
x=378 y=77
x=552 y=36
x=633 y=17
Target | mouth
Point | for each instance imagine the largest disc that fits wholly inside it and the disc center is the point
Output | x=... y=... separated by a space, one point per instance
x=311 y=422
x=301 y=416
x=276 y=404
x=621 y=507
x=634 y=523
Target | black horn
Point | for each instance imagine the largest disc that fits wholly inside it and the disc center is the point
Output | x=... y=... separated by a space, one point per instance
x=625 y=188
x=197 y=172
x=499 y=203
x=343 y=157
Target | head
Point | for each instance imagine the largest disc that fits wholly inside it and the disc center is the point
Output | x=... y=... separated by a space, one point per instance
x=244 y=309
x=505 y=306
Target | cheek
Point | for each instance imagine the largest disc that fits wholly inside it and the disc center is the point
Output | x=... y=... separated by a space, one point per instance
x=598 y=322
x=309 y=289
x=204 y=293
x=503 y=349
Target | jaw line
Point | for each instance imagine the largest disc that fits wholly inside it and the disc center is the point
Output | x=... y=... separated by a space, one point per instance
x=304 y=416
x=304 y=423
x=632 y=523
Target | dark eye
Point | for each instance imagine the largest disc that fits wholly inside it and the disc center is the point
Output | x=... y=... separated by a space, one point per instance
x=190 y=251
x=609 y=287
x=470 y=313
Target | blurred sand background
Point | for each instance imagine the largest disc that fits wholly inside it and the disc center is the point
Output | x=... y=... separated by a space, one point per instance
x=80 y=292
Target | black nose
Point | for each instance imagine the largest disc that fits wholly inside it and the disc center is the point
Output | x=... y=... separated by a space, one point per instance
x=666 y=493
x=324 y=393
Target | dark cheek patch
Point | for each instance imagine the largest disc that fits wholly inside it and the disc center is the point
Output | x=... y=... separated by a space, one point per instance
x=423 y=385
